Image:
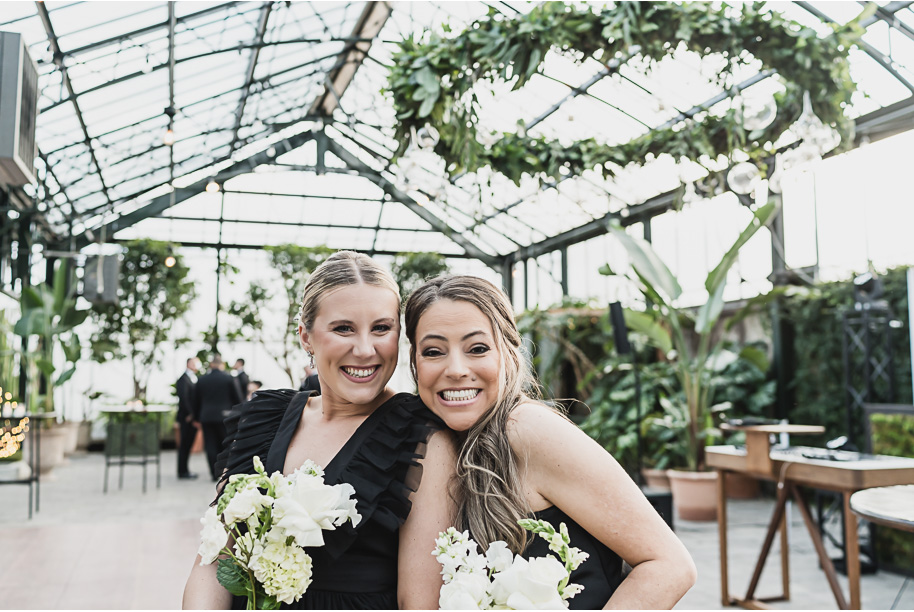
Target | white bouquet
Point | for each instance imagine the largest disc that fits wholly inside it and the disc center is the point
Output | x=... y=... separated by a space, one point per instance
x=499 y=580
x=271 y=518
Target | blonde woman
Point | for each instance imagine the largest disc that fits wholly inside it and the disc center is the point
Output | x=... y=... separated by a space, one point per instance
x=518 y=457
x=360 y=432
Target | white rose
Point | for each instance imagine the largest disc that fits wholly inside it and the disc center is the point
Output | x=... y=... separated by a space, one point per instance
x=245 y=503
x=284 y=571
x=499 y=556
x=213 y=537
x=465 y=592
x=294 y=520
x=329 y=506
x=530 y=585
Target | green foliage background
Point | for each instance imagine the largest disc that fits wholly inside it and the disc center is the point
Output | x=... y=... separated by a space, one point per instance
x=151 y=299
x=818 y=370
x=410 y=270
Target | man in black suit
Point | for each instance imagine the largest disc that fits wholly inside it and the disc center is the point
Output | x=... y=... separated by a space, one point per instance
x=187 y=417
x=310 y=382
x=217 y=392
x=241 y=376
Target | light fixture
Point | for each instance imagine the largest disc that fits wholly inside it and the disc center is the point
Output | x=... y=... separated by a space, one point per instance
x=170 y=261
x=743 y=177
x=169 y=138
x=212 y=186
x=427 y=137
x=759 y=111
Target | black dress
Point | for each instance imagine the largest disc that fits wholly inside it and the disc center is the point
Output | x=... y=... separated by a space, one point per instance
x=357 y=567
x=600 y=574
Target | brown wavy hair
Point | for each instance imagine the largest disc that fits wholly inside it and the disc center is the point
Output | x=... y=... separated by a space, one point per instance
x=488 y=490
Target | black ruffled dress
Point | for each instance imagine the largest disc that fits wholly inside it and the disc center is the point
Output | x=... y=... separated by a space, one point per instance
x=357 y=567
x=600 y=574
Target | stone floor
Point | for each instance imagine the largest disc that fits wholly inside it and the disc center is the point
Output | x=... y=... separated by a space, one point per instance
x=130 y=550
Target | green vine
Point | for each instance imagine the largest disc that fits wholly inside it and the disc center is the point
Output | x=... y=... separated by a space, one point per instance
x=433 y=77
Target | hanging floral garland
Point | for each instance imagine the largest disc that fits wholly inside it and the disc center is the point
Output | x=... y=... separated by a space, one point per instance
x=433 y=77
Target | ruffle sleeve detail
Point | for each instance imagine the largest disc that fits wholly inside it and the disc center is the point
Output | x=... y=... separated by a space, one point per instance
x=251 y=428
x=379 y=468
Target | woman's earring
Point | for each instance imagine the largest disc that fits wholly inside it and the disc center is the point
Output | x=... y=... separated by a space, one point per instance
x=312 y=359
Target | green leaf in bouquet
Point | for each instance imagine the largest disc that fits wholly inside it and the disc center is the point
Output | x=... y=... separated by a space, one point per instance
x=235 y=580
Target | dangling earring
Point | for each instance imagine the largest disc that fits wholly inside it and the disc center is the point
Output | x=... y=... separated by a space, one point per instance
x=312 y=359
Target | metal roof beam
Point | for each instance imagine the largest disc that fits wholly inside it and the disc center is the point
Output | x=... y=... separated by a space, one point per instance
x=366 y=228
x=259 y=247
x=58 y=60
x=189 y=58
x=869 y=49
x=265 y=10
x=114 y=40
x=356 y=164
x=887 y=14
x=166 y=201
x=369 y=24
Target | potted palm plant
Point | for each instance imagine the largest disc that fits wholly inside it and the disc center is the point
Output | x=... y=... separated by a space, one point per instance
x=49 y=315
x=665 y=325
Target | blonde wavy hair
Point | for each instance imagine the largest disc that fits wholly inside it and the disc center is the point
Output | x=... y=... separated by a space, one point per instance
x=341 y=269
x=488 y=490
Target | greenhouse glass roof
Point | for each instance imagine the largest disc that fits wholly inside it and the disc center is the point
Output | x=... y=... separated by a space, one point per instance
x=143 y=104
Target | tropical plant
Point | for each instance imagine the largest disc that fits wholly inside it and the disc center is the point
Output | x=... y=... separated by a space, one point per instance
x=151 y=298
x=664 y=324
x=410 y=270
x=49 y=313
x=294 y=264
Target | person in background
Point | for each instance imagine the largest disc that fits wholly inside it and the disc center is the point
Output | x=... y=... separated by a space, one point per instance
x=253 y=386
x=310 y=382
x=187 y=418
x=241 y=376
x=217 y=391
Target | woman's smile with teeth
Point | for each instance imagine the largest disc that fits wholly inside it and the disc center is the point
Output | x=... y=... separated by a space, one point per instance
x=456 y=395
x=360 y=372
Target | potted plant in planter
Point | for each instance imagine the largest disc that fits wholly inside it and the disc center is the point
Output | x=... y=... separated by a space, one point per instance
x=665 y=324
x=49 y=314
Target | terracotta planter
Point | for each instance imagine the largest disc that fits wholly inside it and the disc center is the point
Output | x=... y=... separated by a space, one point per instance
x=656 y=479
x=741 y=486
x=694 y=494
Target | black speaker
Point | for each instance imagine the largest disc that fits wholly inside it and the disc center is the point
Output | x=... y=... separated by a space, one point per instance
x=100 y=279
x=620 y=331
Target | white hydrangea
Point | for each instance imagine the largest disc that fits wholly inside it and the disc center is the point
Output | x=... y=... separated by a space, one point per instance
x=284 y=571
x=213 y=538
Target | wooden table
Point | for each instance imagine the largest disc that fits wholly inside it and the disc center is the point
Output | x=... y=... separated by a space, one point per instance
x=839 y=471
x=889 y=506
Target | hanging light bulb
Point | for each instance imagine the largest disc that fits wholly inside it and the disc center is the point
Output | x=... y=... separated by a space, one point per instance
x=427 y=137
x=170 y=261
x=810 y=129
x=759 y=111
x=169 y=138
x=742 y=178
x=212 y=186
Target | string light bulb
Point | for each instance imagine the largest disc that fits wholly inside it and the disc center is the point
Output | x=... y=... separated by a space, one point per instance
x=170 y=261
x=212 y=186
x=169 y=138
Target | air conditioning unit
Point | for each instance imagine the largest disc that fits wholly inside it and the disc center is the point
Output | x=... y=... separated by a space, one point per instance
x=18 y=111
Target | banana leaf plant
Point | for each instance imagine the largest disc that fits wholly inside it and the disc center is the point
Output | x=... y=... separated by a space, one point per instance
x=49 y=312
x=665 y=324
